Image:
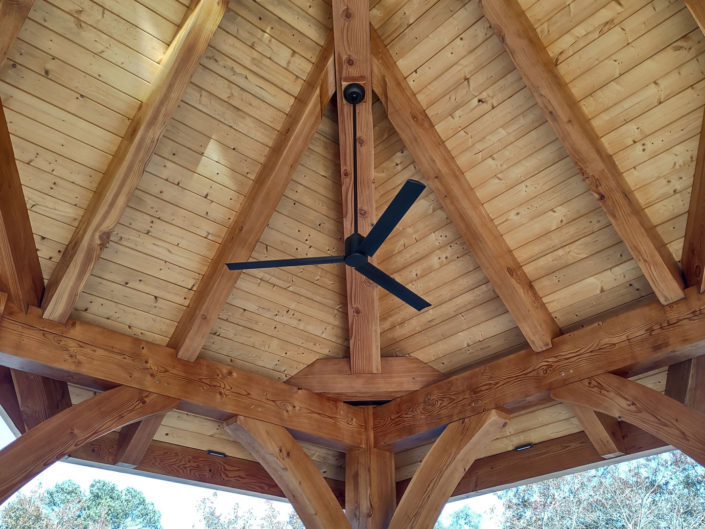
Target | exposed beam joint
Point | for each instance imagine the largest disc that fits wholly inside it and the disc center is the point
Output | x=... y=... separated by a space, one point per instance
x=634 y=342
x=459 y=200
x=13 y=13
x=292 y=469
x=644 y=407
x=333 y=377
x=127 y=164
x=584 y=146
x=262 y=198
x=693 y=257
x=443 y=467
x=83 y=351
x=58 y=436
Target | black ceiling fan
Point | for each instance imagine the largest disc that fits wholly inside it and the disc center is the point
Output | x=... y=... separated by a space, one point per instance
x=359 y=248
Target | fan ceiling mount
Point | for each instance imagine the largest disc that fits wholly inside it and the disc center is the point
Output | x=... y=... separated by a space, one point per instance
x=359 y=248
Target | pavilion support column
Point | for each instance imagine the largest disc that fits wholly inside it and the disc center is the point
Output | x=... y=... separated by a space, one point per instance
x=70 y=429
x=370 y=487
x=292 y=469
x=443 y=467
x=645 y=408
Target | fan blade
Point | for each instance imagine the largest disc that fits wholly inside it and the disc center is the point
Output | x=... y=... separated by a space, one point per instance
x=401 y=203
x=393 y=286
x=277 y=263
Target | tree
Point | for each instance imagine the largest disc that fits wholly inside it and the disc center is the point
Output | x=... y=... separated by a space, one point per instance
x=659 y=492
x=240 y=518
x=67 y=506
x=463 y=518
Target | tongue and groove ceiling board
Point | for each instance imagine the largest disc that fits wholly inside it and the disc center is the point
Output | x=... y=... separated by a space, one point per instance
x=79 y=70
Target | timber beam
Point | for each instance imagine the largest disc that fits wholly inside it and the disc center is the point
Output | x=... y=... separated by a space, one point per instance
x=351 y=27
x=134 y=440
x=693 y=257
x=70 y=429
x=547 y=459
x=191 y=465
x=334 y=377
x=292 y=469
x=604 y=431
x=127 y=164
x=578 y=136
x=261 y=200
x=658 y=414
x=634 y=342
x=443 y=467
x=20 y=272
x=78 y=349
x=13 y=13
x=459 y=200
x=697 y=9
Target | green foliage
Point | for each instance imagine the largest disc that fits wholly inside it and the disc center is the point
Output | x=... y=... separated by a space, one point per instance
x=463 y=518
x=239 y=518
x=660 y=492
x=67 y=506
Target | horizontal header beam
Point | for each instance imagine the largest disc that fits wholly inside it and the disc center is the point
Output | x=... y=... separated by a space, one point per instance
x=634 y=342
x=78 y=349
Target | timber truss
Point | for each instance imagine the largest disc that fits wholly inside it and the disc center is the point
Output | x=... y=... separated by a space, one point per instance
x=41 y=349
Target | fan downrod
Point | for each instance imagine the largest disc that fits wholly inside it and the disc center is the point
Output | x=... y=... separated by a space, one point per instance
x=354 y=93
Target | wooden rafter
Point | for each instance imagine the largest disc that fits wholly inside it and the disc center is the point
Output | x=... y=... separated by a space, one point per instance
x=13 y=13
x=584 y=146
x=292 y=469
x=697 y=9
x=262 y=198
x=334 y=377
x=443 y=467
x=127 y=164
x=644 y=407
x=21 y=277
x=351 y=27
x=134 y=440
x=20 y=273
x=193 y=465
x=83 y=351
x=630 y=343
x=70 y=429
x=460 y=201
x=604 y=431
x=693 y=258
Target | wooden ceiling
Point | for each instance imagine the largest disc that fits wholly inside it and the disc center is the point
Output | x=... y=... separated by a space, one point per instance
x=156 y=141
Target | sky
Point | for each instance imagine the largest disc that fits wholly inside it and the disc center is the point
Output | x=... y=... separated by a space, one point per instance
x=178 y=501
